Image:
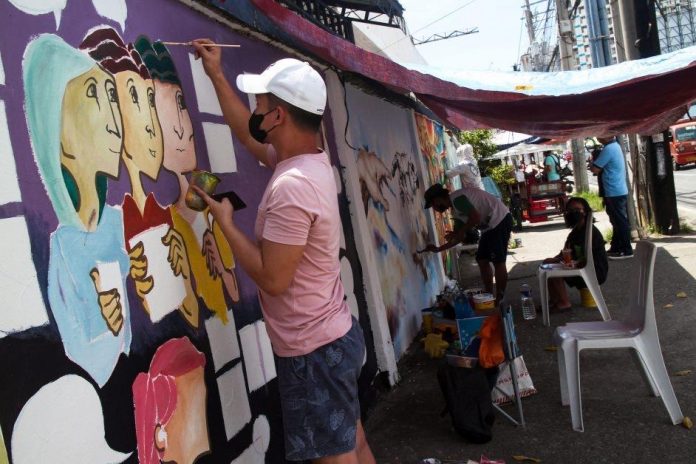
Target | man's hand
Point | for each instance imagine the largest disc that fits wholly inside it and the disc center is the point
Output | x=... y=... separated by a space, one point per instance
x=431 y=248
x=109 y=303
x=211 y=56
x=222 y=211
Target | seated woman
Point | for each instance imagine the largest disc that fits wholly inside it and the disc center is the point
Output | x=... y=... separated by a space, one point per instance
x=577 y=210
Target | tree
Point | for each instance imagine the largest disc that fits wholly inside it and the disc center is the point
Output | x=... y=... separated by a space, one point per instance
x=481 y=140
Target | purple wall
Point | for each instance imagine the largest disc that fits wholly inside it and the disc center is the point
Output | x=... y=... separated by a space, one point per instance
x=35 y=357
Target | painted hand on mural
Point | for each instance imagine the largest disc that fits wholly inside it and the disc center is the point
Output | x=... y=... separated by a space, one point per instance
x=109 y=303
x=179 y=262
x=216 y=267
x=177 y=258
x=213 y=260
x=138 y=272
x=373 y=176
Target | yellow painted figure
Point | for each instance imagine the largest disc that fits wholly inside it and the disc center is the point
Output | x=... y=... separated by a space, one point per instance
x=210 y=257
x=162 y=278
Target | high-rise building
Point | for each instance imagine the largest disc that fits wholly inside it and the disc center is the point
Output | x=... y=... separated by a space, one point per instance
x=676 y=24
x=582 y=48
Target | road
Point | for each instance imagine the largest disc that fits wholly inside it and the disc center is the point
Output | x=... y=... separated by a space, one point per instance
x=685 y=187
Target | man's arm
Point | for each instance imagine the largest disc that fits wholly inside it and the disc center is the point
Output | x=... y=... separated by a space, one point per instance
x=271 y=266
x=459 y=234
x=233 y=109
x=602 y=160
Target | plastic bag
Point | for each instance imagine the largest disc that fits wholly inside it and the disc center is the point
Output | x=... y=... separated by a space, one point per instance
x=491 y=351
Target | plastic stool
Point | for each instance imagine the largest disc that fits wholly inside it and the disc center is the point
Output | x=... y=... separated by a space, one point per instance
x=586 y=298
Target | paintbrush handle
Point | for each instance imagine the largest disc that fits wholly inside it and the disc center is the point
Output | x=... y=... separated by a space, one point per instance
x=207 y=45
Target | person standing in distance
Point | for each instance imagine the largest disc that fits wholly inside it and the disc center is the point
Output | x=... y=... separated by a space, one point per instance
x=293 y=259
x=611 y=164
x=472 y=207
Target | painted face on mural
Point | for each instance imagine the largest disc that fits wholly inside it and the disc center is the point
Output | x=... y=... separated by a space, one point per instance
x=142 y=133
x=91 y=131
x=177 y=129
x=187 y=430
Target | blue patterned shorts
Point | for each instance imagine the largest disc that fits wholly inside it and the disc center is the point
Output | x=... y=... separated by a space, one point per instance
x=319 y=397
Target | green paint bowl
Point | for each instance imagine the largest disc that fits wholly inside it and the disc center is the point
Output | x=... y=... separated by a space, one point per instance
x=205 y=181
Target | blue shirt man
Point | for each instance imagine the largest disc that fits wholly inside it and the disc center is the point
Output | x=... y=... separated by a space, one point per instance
x=611 y=162
x=612 y=165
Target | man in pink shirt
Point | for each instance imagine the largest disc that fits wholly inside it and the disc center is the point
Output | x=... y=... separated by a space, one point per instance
x=319 y=346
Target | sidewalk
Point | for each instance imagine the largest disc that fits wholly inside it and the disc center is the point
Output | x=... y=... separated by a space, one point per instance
x=623 y=423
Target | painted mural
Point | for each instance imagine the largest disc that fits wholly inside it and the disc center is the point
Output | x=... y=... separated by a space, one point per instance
x=130 y=334
x=392 y=200
x=433 y=148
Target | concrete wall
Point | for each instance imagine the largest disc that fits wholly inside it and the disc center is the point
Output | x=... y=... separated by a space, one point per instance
x=384 y=181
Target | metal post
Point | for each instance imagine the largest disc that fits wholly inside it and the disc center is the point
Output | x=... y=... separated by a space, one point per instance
x=568 y=63
x=661 y=194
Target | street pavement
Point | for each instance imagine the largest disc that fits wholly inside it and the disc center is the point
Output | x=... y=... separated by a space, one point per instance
x=623 y=423
x=685 y=188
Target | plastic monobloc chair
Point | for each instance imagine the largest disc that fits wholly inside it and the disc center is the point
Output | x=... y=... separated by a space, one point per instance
x=587 y=273
x=638 y=331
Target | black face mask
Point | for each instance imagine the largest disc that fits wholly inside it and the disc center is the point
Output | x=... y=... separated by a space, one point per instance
x=255 y=121
x=573 y=218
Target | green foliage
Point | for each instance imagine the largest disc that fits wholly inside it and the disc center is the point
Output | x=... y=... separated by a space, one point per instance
x=608 y=235
x=503 y=175
x=481 y=140
x=593 y=199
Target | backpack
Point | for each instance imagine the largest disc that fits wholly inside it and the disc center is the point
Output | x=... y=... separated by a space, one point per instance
x=467 y=393
x=563 y=172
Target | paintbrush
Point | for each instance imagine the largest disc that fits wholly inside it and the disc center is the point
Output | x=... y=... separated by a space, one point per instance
x=206 y=45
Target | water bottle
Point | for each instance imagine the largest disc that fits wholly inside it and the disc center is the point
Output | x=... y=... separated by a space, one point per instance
x=527 y=303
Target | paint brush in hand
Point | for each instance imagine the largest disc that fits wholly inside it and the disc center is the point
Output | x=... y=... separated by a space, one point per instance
x=207 y=45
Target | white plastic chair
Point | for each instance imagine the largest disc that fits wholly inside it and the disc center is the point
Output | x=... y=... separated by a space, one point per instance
x=638 y=331
x=587 y=273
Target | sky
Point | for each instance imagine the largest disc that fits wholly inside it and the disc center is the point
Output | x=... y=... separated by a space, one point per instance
x=496 y=47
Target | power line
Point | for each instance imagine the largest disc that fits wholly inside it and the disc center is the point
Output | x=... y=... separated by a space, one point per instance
x=450 y=35
x=431 y=23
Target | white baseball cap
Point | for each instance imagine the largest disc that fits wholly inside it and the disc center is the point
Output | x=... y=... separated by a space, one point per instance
x=291 y=80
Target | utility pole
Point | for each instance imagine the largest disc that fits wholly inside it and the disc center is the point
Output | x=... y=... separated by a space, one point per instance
x=651 y=159
x=661 y=194
x=624 y=37
x=568 y=63
x=530 y=22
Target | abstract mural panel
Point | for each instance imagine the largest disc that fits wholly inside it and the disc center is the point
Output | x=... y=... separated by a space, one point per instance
x=392 y=200
x=433 y=147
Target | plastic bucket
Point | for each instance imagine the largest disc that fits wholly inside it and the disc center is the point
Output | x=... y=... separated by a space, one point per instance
x=484 y=302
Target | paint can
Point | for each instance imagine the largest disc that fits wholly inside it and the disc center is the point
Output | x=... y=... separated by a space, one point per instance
x=427 y=320
x=470 y=292
x=205 y=181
